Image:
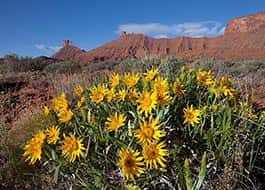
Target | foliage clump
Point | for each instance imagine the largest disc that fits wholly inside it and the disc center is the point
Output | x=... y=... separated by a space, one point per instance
x=145 y=130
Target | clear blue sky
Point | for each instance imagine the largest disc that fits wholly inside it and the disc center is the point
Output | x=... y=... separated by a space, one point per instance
x=35 y=27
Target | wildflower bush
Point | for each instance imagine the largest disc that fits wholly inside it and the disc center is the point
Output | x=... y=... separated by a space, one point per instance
x=150 y=131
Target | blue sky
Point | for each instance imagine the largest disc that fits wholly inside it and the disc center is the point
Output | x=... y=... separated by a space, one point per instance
x=37 y=27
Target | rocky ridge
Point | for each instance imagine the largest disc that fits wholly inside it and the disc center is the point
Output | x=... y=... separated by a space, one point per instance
x=243 y=39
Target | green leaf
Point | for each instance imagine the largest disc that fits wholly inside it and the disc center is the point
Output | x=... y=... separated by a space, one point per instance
x=202 y=174
x=187 y=174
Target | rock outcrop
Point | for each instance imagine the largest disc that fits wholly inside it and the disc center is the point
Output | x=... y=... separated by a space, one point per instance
x=243 y=39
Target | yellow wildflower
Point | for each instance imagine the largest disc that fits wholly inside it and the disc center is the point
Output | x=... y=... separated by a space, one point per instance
x=114 y=80
x=149 y=131
x=78 y=90
x=121 y=95
x=60 y=103
x=131 y=79
x=81 y=102
x=72 y=147
x=204 y=77
x=115 y=122
x=53 y=135
x=46 y=110
x=150 y=74
x=65 y=116
x=178 y=88
x=33 y=148
x=98 y=93
x=191 y=115
x=131 y=163
x=147 y=101
x=110 y=93
x=154 y=155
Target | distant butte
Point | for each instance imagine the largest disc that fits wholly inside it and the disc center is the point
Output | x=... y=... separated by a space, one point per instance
x=244 y=38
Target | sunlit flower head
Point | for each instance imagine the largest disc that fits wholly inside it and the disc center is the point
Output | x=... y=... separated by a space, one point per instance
x=154 y=155
x=39 y=137
x=110 y=94
x=150 y=74
x=53 y=135
x=215 y=89
x=226 y=87
x=204 y=77
x=81 y=101
x=60 y=103
x=114 y=80
x=46 y=110
x=72 y=147
x=65 y=116
x=149 y=131
x=163 y=98
x=33 y=148
x=32 y=152
x=131 y=163
x=78 y=90
x=115 y=122
x=121 y=95
x=178 y=88
x=161 y=84
x=191 y=115
x=131 y=79
x=98 y=93
x=147 y=101
x=132 y=94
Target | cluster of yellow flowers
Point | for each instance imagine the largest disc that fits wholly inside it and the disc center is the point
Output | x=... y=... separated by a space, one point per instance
x=71 y=146
x=60 y=106
x=145 y=94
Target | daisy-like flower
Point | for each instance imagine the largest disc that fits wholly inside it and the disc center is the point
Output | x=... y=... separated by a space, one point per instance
x=191 y=115
x=98 y=93
x=60 y=103
x=178 y=88
x=226 y=87
x=39 y=137
x=154 y=155
x=204 y=77
x=114 y=80
x=163 y=98
x=149 y=131
x=147 y=101
x=78 y=90
x=115 y=122
x=132 y=94
x=46 y=110
x=215 y=89
x=131 y=79
x=33 y=148
x=161 y=84
x=81 y=102
x=131 y=163
x=110 y=93
x=72 y=147
x=53 y=135
x=150 y=74
x=121 y=95
x=65 y=116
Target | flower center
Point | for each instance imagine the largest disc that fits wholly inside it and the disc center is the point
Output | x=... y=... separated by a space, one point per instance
x=129 y=162
x=148 y=132
x=74 y=146
x=152 y=153
x=189 y=115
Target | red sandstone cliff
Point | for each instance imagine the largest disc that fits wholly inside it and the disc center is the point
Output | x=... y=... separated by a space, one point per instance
x=244 y=38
